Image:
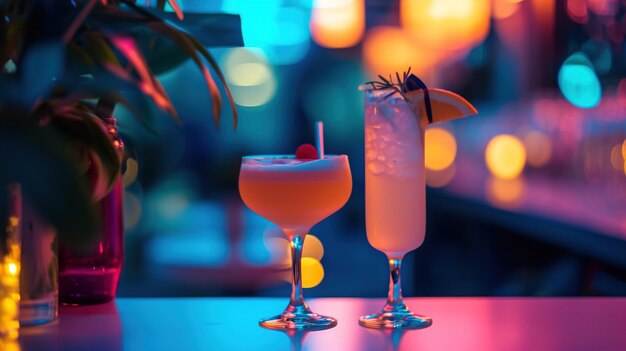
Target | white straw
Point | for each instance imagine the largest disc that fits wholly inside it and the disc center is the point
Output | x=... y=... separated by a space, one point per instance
x=319 y=139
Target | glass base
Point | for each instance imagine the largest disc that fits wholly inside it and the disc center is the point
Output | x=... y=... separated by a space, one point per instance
x=40 y=311
x=85 y=286
x=309 y=321
x=398 y=317
x=298 y=318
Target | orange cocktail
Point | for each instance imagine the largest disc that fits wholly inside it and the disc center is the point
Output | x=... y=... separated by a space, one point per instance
x=295 y=194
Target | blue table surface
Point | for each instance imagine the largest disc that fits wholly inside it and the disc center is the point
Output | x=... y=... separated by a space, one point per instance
x=461 y=323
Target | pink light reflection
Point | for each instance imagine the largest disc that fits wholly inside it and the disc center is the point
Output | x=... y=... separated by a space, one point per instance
x=479 y=324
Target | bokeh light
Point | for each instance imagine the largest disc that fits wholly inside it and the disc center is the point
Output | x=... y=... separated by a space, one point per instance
x=312 y=272
x=313 y=247
x=607 y=8
x=538 y=148
x=617 y=160
x=600 y=55
x=132 y=210
x=200 y=248
x=577 y=10
x=578 y=82
x=292 y=45
x=337 y=23
x=503 y=9
x=505 y=156
x=250 y=76
x=440 y=148
x=446 y=24
x=279 y=250
x=505 y=193
x=132 y=169
x=389 y=49
x=280 y=31
x=439 y=179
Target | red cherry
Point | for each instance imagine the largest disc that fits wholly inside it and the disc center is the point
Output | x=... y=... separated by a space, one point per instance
x=306 y=152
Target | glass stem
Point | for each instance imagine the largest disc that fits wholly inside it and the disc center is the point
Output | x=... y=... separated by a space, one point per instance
x=394 y=300
x=297 y=299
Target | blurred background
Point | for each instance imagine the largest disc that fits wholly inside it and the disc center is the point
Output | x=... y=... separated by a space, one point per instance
x=527 y=198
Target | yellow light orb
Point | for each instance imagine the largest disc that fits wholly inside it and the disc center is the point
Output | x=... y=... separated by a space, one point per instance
x=14 y=221
x=439 y=179
x=9 y=307
x=505 y=193
x=389 y=49
x=132 y=210
x=313 y=247
x=250 y=76
x=13 y=268
x=440 y=149
x=132 y=169
x=538 y=148
x=446 y=24
x=503 y=9
x=337 y=24
x=505 y=156
x=312 y=272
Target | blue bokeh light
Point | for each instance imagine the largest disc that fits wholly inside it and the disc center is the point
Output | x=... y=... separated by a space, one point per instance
x=281 y=32
x=579 y=83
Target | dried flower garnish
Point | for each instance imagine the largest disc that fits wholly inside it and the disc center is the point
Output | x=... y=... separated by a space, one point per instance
x=408 y=82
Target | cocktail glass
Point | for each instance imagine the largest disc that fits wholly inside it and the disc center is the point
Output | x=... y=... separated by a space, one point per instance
x=395 y=203
x=295 y=195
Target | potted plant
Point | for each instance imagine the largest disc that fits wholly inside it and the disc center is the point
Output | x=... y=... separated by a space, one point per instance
x=66 y=65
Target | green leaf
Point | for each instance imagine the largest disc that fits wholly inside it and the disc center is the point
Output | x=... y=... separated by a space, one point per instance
x=110 y=87
x=40 y=161
x=146 y=81
x=184 y=42
x=88 y=132
x=99 y=48
x=217 y=70
x=163 y=55
x=177 y=10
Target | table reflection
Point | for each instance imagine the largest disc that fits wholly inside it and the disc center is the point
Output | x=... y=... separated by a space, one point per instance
x=232 y=324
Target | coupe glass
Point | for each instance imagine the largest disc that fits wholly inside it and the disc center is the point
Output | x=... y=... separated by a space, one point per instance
x=295 y=195
x=394 y=196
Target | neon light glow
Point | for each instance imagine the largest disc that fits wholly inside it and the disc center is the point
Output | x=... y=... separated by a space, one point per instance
x=505 y=156
x=446 y=25
x=440 y=149
x=337 y=23
x=250 y=76
x=578 y=82
x=389 y=49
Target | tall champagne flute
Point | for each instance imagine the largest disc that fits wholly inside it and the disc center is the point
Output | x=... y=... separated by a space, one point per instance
x=395 y=203
x=295 y=195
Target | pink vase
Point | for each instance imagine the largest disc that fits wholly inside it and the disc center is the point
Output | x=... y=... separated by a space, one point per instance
x=91 y=276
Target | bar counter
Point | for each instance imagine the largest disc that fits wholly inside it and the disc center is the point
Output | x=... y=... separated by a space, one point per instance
x=459 y=323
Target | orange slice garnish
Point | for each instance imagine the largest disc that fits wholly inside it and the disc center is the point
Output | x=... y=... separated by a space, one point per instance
x=445 y=105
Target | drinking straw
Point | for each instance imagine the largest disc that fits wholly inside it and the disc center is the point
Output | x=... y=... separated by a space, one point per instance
x=319 y=138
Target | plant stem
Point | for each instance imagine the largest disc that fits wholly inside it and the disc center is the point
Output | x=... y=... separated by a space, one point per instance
x=78 y=21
